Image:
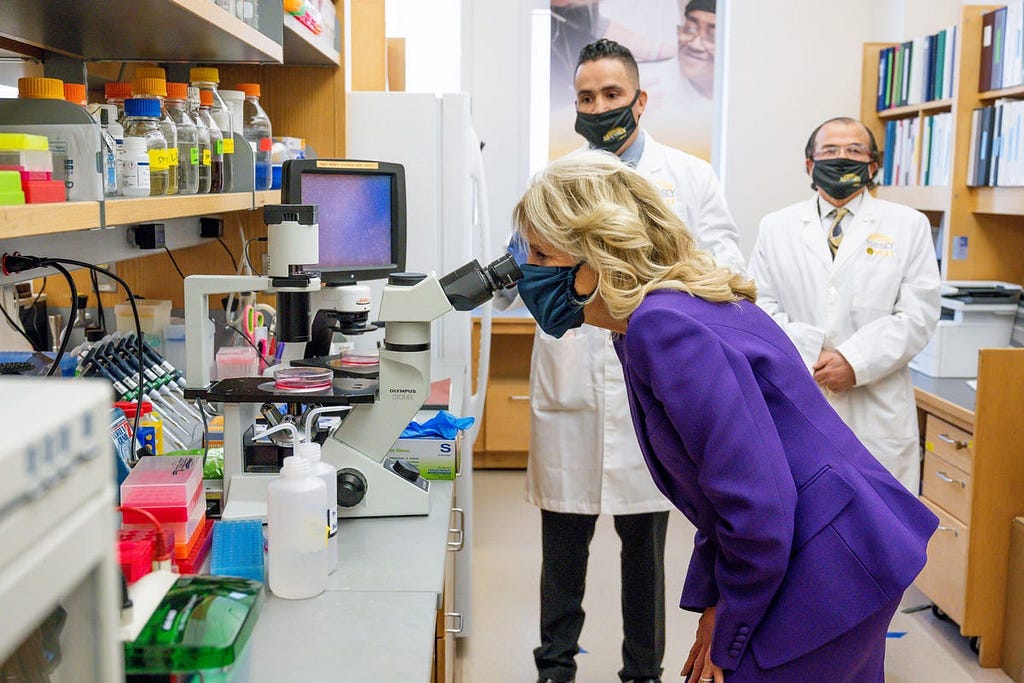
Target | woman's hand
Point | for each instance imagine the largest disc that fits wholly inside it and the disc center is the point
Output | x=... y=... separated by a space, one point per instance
x=698 y=667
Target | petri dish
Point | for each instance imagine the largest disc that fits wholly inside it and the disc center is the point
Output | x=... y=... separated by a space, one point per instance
x=303 y=379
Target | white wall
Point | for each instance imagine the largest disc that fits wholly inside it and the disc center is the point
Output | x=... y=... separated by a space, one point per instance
x=432 y=32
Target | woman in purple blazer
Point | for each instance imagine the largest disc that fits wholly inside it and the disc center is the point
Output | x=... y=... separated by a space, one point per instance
x=804 y=543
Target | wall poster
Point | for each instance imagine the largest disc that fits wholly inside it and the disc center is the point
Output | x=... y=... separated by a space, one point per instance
x=673 y=42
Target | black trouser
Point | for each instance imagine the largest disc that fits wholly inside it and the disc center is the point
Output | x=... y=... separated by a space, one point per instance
x=566 y=547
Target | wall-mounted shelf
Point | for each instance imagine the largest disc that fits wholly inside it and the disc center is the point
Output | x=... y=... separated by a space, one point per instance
x=264 y=197
x=931 y=107
x=1015 y=91
x=125 y=30
x=302 y=47
x=1002 y=201
x=120 y=211
x=921 y=197
x=24 y=220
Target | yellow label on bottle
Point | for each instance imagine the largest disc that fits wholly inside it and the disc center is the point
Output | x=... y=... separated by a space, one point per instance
x=206 y=157
x=229 y=145
x=159 y=160
x=193 y=156
x=173 y=156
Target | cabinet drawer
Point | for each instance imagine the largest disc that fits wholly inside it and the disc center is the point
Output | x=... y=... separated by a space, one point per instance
x=944 y=578
x=952 y=444
x=947 y=486
x=507 y=413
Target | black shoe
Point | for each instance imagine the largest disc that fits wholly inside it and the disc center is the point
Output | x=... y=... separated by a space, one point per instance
x=552 y=680
x=645 y=680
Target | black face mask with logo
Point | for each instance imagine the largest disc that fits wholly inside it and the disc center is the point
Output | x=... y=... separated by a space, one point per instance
x=609 y=129
x=840 y=177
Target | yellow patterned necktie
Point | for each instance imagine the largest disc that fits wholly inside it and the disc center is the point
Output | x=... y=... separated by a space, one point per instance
x=835 y=235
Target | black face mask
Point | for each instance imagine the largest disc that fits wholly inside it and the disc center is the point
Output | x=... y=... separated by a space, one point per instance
x=840 y=177
x=609 y=129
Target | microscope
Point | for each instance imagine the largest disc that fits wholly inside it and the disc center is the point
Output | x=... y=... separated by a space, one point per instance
x=370 y=483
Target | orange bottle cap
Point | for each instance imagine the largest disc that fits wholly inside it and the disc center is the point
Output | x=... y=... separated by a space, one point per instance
x=250 y=89
x=75 y=92
x=41 y=88
x=149 y=86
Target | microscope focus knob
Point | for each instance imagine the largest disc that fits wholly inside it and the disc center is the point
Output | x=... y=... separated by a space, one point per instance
x=405 y=469
x=351 y=488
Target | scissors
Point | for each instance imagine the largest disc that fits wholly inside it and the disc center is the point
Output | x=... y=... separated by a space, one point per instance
x=252 y=319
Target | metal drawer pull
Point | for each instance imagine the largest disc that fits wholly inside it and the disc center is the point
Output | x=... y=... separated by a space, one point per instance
x=519 y=397
x=949 y=480
x=956 y=534
x=460 y=519
x=458 y=617
x=953 y=442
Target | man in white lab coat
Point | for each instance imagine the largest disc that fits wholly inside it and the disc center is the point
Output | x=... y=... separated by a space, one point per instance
x=584 y=458
x=854 y=282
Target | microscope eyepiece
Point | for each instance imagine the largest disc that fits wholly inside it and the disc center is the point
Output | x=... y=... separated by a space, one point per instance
x=472 y=284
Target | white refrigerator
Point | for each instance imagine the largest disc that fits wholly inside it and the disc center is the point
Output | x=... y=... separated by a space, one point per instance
x=432 y=136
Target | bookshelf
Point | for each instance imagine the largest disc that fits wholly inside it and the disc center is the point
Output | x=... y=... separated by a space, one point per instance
x=990 y=219
x=968 y=557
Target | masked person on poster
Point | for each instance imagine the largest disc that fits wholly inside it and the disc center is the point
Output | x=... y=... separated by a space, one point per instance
x=805 y=543
x=584 y=459
x=854 y=282
x=696 y=37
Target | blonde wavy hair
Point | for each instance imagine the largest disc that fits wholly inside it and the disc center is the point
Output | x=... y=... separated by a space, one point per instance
x=593 y=207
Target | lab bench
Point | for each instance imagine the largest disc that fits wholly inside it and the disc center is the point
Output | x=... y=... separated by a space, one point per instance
x=973 y=480
x=376 y=620
x=386 y=613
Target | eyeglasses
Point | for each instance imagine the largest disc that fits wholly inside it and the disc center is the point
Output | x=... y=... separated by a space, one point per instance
x=691 y=30
x=854 y=151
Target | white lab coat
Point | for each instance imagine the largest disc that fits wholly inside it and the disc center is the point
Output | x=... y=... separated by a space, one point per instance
x=584 y=457
x=877 y=304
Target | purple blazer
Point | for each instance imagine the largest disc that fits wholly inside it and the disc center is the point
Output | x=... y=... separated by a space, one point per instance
x=801 y=533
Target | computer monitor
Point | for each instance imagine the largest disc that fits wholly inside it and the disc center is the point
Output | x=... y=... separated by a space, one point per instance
x=361 y=215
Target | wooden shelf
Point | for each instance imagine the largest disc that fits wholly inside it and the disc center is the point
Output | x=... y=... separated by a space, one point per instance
x=124 y=210
x=932 y=107
x=922 y=198
x=160 y=31
x=303 y=48
x=264 y=197
x=25 y=220
x=1001 y=201
x=1015 y=91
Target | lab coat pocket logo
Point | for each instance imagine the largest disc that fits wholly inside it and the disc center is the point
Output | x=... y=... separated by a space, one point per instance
x=668 y=192
x=880 y=245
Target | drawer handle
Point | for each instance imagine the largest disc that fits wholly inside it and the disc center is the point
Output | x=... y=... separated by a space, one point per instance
x=519 y=397
x=458 y=620
x=952 y=442
x=460 y=536
x=950 y=480
x=956 y=534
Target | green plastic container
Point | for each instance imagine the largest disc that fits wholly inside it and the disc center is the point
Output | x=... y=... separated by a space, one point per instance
x=10 y=188
x=201 y=627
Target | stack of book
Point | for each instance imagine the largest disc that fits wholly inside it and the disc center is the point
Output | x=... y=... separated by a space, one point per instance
x=918 y=151
x=996 y=157
x=919 y=70
x=1002 y=47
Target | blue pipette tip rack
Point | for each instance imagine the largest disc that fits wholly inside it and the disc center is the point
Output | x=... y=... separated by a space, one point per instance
x=237 y=549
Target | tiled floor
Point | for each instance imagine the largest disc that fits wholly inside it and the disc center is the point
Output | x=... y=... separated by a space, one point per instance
x=506 y=557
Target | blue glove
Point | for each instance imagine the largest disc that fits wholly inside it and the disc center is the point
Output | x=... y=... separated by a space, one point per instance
x=443 y=425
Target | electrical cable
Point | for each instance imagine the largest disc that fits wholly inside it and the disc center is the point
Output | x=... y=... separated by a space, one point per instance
x=245 y=251
x=66 y=337
x=234 y=263
x=248 y=341
x=175 y=263
x=16 y=263
x=101 y=318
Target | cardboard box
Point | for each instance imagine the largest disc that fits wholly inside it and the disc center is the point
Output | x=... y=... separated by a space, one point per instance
x=1013 y=627
x=435 y=458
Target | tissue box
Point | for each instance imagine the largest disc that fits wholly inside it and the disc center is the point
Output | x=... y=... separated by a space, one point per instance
x=435 y=458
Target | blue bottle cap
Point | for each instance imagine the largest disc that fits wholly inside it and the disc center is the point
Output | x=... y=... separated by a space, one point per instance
x=142 y=106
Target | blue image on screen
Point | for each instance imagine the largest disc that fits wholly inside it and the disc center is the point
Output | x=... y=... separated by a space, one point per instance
x=354 y=217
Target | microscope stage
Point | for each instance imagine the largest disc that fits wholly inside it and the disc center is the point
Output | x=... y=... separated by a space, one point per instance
x=261 y=389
